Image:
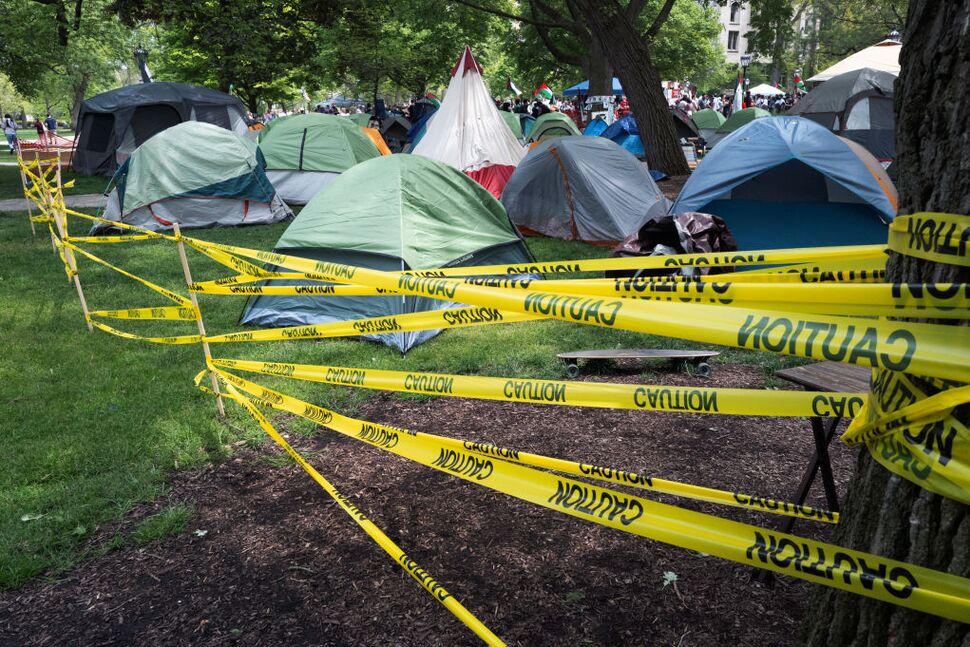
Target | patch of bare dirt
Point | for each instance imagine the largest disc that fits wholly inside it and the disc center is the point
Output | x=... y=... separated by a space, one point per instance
x=279 y=563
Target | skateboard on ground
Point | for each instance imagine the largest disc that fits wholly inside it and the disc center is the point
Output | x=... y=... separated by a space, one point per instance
x=696 y=358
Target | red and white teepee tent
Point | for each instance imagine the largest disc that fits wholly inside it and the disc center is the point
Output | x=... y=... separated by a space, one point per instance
x=468 y=133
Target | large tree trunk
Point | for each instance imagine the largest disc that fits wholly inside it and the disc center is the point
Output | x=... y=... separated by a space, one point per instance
x=598 y=70
x=79 y=91
x=630 y=56
x=884 y=513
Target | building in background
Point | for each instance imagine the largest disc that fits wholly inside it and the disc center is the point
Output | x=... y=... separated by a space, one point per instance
x=735 y=18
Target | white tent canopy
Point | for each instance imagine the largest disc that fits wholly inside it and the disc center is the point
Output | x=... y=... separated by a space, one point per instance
x=468 y=133
x=881 y=56
x=765 y=90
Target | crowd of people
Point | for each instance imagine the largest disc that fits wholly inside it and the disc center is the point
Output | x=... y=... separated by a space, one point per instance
x=724 y=104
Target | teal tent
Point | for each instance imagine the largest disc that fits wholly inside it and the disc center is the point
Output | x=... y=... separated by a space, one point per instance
x=171 y=178
x=735 y=121
x=393 y=213
x=513 y=122
x=304 y=153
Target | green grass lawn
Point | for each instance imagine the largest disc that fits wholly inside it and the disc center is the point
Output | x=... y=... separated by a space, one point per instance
x=11 y=187
x=93 y=423
x=30 y=134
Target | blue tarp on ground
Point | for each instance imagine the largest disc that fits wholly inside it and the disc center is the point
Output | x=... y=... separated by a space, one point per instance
x=583 y=89
x=789 y=182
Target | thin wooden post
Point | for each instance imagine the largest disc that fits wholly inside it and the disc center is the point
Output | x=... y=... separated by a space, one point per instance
x=198 y=319
x=72 y=266
x=23 y=182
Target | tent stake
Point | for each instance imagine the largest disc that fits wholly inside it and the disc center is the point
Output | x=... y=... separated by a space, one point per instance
x=198 y=320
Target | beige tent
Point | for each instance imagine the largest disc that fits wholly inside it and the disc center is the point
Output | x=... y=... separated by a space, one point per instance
x=881 y=56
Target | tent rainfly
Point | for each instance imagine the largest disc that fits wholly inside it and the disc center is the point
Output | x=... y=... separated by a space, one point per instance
x=857 y=105
x=553 y=124
x=799 y=186
x=468 y=133
x=735 y=121
x=393 y=213
x=582 y=188
x=707 y=122
x=171 y=178
x=513 y=122
x=114 y=123
x=626 y=133
x=304 y=153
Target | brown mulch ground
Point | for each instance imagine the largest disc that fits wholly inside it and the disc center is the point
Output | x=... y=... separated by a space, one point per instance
x=673 y=185
x=279 y=563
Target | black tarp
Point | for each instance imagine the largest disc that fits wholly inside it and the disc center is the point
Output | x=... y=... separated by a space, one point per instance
x=136 y=112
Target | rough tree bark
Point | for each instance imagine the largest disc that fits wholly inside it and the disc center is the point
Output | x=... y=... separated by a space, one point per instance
x=883 y=513
x=629 y=53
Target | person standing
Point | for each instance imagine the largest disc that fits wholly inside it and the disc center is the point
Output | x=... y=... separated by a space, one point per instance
x=41 y=131
x=51 y=124
x=10 y=130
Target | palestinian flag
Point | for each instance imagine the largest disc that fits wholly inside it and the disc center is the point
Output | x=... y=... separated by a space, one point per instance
x=511 y=86
x=544 y=92
x=797 y=80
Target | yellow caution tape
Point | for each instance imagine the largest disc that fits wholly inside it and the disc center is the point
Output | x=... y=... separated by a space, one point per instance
x=941 y=351
x=179 y=340
x=429 y=320
x=914 y=587
x=612 y=475
x=168 y=313
x=174 y=296
x=939 y=237
x=915 y=435
x=410 y=566
x=646 y=397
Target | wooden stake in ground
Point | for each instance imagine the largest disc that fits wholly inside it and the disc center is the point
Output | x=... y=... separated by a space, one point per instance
x=71 y=261
x=198 y=320
x=23 y=182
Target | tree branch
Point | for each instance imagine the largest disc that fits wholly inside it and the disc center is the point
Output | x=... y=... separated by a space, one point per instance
x=503 y=14
x=77 y=14
x=659 y=21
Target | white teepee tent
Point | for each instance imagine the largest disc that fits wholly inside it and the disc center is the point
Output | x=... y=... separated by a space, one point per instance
x=468 y=132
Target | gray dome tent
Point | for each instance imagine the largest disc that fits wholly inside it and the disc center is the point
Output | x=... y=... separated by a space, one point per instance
x=857 y=105
x=390 y=213
x=114 y=123
x=582 y=188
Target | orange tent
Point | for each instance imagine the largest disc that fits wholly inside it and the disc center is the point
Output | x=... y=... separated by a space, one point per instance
x=377 y=139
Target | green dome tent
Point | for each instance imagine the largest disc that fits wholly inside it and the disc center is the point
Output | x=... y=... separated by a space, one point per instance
x=393 y=213
x=360 y=118
x=513 y=122
x=735 y=121
x=172 y=178
x=304 y=153
x=707 y=121
x=553 y=124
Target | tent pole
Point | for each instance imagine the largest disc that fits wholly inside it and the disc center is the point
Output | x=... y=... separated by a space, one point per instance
x=198 y=320
x=69 y=257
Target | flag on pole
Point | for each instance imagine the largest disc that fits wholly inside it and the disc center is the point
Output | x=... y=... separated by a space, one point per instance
x=738 y=95
x=797 y=80
x=544 y=92
x=511 y=86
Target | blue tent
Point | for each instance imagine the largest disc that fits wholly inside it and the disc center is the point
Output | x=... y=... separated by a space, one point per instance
x=789 y=182
x=418 y=128
x=625 y=133
x=595 y=128
x=527 y=121
x=583 y=89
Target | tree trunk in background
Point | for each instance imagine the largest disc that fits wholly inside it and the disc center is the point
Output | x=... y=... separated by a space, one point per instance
x=79 y=91
x=630 y=56
x=884 y=513
x=598 y=71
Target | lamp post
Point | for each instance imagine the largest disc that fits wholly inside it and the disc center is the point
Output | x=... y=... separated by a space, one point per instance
x=745 y=62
